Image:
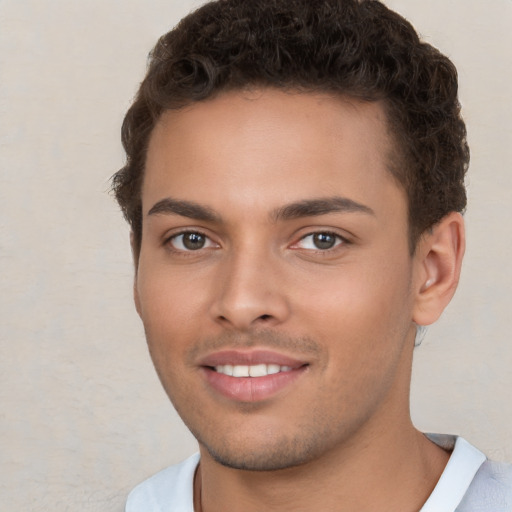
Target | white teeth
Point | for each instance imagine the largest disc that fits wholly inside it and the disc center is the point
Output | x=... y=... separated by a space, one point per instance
x=255 y=370
x=258 y=370
x=240 y=371
x=273 y=368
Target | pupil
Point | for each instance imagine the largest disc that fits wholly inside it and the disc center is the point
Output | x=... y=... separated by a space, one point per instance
x=193 y=241
x=324 y=240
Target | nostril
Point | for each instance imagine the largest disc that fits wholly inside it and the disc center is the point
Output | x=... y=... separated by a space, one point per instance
x=265 y=317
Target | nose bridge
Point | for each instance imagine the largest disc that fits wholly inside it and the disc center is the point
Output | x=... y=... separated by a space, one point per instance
x=250 y=288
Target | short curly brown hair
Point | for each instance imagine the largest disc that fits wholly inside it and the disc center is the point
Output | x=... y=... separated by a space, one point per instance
x=355 y=48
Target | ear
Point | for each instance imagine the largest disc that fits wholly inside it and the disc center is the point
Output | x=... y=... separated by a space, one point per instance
x=437 y=268
x=135 y=255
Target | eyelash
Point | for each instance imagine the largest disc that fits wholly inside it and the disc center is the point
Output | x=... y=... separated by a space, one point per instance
x=168 y=241
x=339 y=240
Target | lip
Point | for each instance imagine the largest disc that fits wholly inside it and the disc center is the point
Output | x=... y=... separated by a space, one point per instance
x=250 y=389
x=250 y=357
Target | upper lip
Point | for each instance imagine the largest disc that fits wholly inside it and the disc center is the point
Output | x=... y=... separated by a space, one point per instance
x=249 y=358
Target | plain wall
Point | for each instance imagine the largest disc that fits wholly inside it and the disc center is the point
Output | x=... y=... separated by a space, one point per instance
x=83 y=416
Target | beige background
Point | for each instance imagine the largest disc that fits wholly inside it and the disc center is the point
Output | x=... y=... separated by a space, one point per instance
x=83 y=418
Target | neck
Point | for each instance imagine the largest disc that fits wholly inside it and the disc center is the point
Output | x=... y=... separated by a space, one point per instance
x=394 y=471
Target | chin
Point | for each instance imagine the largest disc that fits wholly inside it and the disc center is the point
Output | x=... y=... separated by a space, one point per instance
x=277 y=453
x=260 y=461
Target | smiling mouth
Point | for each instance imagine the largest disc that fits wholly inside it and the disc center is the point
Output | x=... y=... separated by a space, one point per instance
x=251 y=375
x=254 y=382
x=255 y=370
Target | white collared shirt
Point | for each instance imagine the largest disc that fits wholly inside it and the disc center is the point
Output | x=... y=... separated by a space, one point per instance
x=469 y=483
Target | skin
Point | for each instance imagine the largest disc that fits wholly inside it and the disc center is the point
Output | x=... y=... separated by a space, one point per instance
x=260 y=282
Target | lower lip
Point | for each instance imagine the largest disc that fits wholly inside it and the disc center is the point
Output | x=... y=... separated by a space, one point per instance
x=251 y=389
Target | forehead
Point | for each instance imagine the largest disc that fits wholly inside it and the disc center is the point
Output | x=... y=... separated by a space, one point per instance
x=264 y=147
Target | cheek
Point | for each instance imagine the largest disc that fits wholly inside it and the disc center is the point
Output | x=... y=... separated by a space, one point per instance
x=364 y=323
x=169 y=307
x=164 y=307
x=359 y=295
x=363 y=312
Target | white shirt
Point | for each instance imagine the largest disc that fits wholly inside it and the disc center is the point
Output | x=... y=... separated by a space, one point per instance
x=469 y=483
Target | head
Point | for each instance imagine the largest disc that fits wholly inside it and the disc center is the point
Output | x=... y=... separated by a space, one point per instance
x=294 y=174
x=351 y=48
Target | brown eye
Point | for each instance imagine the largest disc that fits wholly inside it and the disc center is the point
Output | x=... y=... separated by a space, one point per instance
x=324 y=240
x=320 y=241
x=190 y=241
x=193 y=241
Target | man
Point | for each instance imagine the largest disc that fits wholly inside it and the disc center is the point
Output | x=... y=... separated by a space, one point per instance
x=294 y=185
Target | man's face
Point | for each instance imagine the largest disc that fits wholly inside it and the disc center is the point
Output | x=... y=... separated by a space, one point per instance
x=275 y=249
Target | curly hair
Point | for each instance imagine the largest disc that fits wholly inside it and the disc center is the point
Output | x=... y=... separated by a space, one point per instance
x=354 y=48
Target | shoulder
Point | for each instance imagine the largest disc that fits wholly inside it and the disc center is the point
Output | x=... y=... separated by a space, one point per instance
x=490 y=490
x=169 y=490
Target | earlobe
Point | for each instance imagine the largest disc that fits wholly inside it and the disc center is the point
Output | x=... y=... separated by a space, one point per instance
x=438 y=261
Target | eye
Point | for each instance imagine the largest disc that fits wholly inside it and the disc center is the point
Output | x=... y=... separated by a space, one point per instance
x=190 y=241
x=321 y=241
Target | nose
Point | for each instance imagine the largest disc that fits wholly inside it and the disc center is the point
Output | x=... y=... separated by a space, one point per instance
x=250 y=292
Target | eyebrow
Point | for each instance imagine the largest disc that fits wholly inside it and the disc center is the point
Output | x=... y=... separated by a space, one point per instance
x=184 y=209
x=320 y=206
x=305 y=208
